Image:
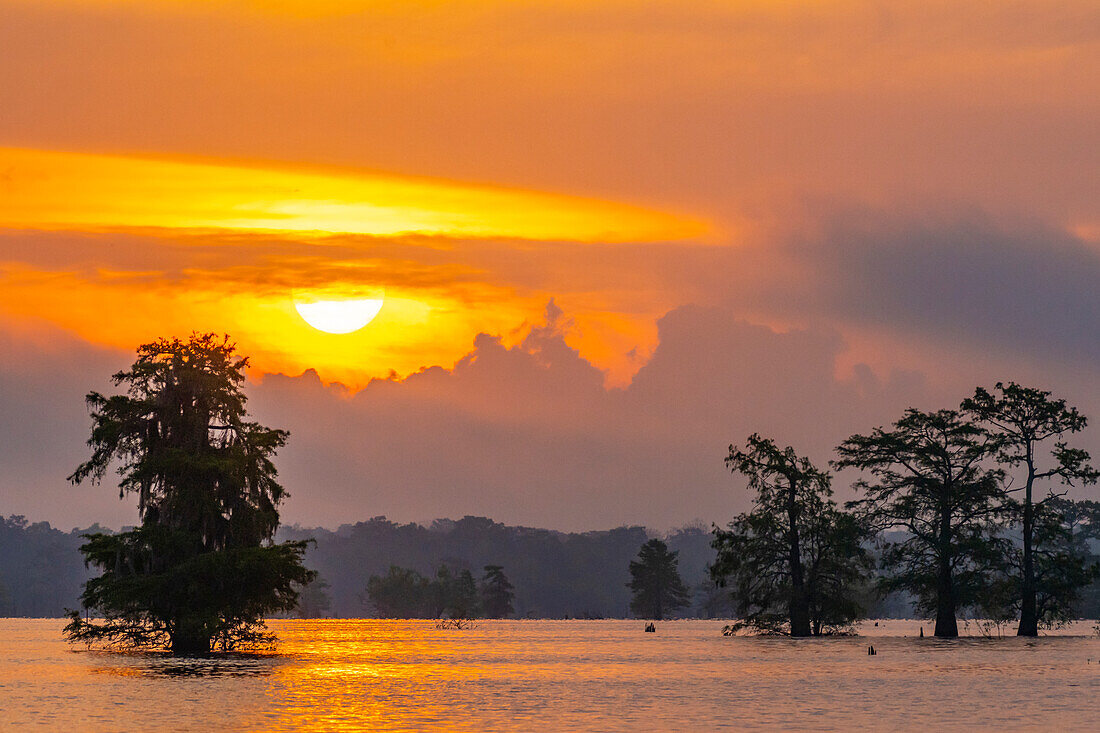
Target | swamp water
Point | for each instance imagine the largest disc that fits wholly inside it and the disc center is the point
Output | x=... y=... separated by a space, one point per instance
x=556 y=676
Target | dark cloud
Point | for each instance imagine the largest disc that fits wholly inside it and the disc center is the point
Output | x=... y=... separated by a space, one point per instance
x=1031 y=289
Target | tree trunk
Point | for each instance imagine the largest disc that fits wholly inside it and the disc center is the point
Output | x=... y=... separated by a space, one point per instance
x=800 y=616
x=190 y=645
x=799 y=607
x=1029 y=612
x=190 y=639
x=946 y=624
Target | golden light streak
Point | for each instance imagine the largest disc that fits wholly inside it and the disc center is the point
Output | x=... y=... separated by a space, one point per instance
x=81 y=191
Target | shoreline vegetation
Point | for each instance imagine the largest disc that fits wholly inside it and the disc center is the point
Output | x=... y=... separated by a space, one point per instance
x=42 y=572
x=959 y=513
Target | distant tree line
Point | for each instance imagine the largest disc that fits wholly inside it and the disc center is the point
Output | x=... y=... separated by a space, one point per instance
x=41 y=571
x=974 y=499
x=553 y=574
x=405 y=593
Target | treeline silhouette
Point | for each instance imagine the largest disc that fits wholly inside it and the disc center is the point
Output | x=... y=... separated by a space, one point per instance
x=554 y=574
x=405 y=593
x=41 y=570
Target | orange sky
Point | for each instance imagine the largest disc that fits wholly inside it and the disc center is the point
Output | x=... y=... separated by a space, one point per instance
x=340 y=234
x=525 y=126
x=744 y=213
x=602 y=124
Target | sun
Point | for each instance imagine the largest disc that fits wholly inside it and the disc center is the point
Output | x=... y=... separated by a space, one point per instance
x=339 y=316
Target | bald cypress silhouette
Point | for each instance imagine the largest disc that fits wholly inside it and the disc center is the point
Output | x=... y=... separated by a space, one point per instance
x=794 y=560
x=930 y=479
x=1032 y=425
x=201 y=568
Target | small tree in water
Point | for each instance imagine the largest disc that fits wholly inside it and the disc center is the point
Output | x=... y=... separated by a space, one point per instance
x=454 y=594
x=655 y=580
x=401 y=593
x=496 y=593
x=201 y=569
x=795 y=561
x=930 y=480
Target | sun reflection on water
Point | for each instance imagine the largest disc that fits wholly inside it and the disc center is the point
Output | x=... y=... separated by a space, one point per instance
x=552 y=675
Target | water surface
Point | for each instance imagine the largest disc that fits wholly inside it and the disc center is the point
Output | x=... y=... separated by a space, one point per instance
x=556 y=675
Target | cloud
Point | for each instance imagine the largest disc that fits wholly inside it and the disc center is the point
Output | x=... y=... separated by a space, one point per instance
x=526 y=433
x=440 y=292
x=529 y=434
x=1025 y=289
x=46 y=189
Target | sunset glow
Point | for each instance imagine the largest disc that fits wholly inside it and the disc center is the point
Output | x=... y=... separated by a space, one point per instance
x=519 y=365
x=282 y=222
x=77 y=191
x=603 y=239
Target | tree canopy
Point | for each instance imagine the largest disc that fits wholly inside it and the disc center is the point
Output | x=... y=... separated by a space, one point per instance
x=201 y=568
x=794 y=560
x=1049 y=567
x=930 y=478
x=400 y=593
x=314 y=600
x=405 y=593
